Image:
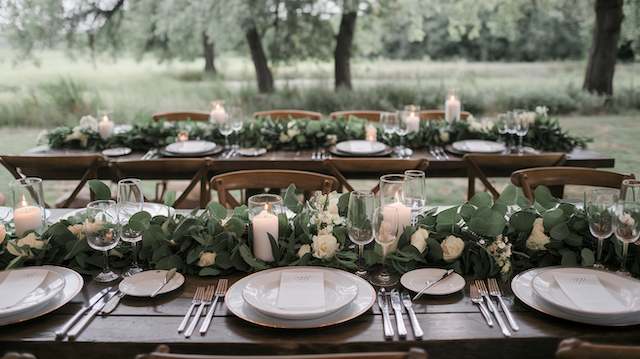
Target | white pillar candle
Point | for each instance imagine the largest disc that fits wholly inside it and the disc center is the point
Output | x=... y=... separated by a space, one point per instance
x=27 y=218
x=105 y=127
x=263 y=224
x=218 y=114
x=371 y=134
x=413 y=122
x=452 y=108
x=402 y=220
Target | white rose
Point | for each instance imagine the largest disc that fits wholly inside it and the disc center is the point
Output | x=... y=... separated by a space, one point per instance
x=452 y=248
x=542 y=110
x=89 y=122
x=444 y=136
x=332 y=207
x=77 y=134
x=31 y=241
x=304 y=249
x=419 y=239
x=3 y=233
x=324 y=246
x=283 y=137
x=207 y=259
x=537 y=239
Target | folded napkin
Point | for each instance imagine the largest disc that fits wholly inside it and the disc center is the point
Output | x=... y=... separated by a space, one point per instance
x=18 y=284
x=301 y=290
x=587 y=293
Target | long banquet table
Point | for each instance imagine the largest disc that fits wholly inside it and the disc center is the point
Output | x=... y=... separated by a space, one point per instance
x=452 y=324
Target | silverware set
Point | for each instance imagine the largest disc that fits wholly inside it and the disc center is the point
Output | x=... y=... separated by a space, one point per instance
x=482 y=293
x=320 y=154
x=151 y=154
x=438 y=152
x=203 y=297
x=231 y=153
x=397 y=302
x=72 y=328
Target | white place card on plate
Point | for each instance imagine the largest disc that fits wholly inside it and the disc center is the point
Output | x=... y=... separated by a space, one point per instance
x=301 y=290
x=587 y=292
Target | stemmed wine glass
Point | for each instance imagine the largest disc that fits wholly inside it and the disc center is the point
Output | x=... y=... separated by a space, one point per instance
x=415 y=192
x=385 y=229
x=630 y=190
x=236 y=117
x=512 y=128
x=599 y=209
x=390 y=125
x=360 y=223
x=226 y=128
x=101 y=230
x=522 y=127
x=130 y=201
x=626 y=225
x=502 y=123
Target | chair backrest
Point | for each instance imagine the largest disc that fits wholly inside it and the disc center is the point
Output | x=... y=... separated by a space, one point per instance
x=430 y=115
x=482 y=166
x=181 y=116
x=373 y=167
x=162 y=352
x=577 y=349
x=56 y=167
x=373 y=116
x=531 y=178
x=286 y=114
x=240 y=180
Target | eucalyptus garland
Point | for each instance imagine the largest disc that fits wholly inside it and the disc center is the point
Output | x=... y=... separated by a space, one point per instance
x=480 y=238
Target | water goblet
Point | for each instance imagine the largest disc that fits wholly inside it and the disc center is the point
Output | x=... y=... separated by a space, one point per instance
x=626 y=226
x=130 y=201
x=599 y=209
x=512 y=126
x=360 y=223
x=522 y=128
x=502 y=124
x=385 y=229
x=101 y=230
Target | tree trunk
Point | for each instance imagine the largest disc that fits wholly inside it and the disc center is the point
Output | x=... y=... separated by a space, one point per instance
x=209 y=54
x=342 y=53
x=263 y=72
x=604 y=47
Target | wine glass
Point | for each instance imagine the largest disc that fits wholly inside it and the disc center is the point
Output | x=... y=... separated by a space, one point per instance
x=630 y=190
x=599 y=209
x=389 y=122
x=385 y=229
x=101 y=230
x=626 y=226
x=226 y=128
x=415 y=192
x=360 y=223
x=236 y=117
x=522 y=127
x=512 y=128
x=130 y=201
x=409 y=122
x=502 y=124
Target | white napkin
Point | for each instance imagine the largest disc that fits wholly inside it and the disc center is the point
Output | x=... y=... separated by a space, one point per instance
x=587 y=293
x=18 y=284
x=301 y=290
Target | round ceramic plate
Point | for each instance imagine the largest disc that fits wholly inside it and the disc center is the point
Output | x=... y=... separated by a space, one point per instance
x=116 y=152
x=145 y=283
x=417 y=279
x=360 y=147
x=72 y=285
x=190 y=147
x=363 y=301
x=261 y=292
x=334 y=151
x=52 y=283
x=154 y=209
x=624 y=290
x=478 y=146
x=252 y=151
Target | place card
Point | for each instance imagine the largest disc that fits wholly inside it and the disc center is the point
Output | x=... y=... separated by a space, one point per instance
x=301 y=290
x=587 y=292
x=18 y=284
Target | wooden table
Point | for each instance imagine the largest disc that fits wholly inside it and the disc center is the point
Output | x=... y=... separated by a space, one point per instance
x=452 y=324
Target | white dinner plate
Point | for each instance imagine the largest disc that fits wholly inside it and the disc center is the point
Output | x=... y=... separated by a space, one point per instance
x=154 y=209
x=417 y=279
x=52 y=283
x=116 y=152
x=261 y=292
x=252 y=151
x=360 y=147
x=522 y=287
x=189 y=147
x=72 y=285
x=143 y=284
x=478 y=146
x=363 y=301
x=625 y=290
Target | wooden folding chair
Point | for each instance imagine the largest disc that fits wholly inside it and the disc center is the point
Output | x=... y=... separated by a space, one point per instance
x=252 y=179
x=58 y=167
x=430 y=115
x=479 y=165
x=578 y=349
x=373 y=167
x=181 y=116
x=287 y=114
x=373 y=116
x=196 y=170
x=557 y=177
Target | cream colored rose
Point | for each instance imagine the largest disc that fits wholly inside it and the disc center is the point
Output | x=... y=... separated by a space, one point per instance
x=452 y=248
x=3 y=233
x=89 y=122
x=207 y=259
x=537 y=239
x=31 y=241
x=77 y=230
x=419 y=239
x=444 y=136
x=304 y=249
x=324 y=246
x=332 y=207
x=283 y=137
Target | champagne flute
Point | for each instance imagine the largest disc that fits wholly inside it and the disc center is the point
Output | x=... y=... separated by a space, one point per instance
x=626 y=224
x=130 y=201
x=630 y=190
x=415 y=192
x=360 y=223
x=101 y=230
x=385 y=229
x=599 y=209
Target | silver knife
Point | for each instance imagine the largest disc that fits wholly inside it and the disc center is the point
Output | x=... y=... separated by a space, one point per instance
x=384 y=307
x=82 y=323
x=112 y=303
x=431 y=284
x=397 y=311
x=92 y=301
x=167 y=278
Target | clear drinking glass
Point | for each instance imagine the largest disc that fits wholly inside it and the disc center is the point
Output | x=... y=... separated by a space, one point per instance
x=630 y=190
x=130 y=201
x=101 y=231
x=385 y=229
x=392 y=195
x=522 y=128
x=502 y=124
x=236 y=117
x=28 y=205
x=626 y=226
x=415 y=192
x=226 y=128
x=409 y=122
x=599 y=208
x=389 y=122
x=512 y=125
x=360 y=223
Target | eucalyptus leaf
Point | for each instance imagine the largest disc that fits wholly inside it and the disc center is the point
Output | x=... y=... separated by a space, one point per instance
x=481 y=199
x=140 y=221
x=217 y=210
x=552 y=218
x=587 y=257
x=100 y=190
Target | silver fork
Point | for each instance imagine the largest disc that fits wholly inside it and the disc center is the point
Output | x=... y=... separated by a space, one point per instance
x=207 y=297
x=483 y=291
x=383 y=304
x=477 y=299
x=397 y=312
x=443 y=153
x=197 y=299
x=221 y=290
x=433 y=153
x=494 y=290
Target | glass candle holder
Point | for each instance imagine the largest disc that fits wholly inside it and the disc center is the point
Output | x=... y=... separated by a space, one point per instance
x=392 y=201
x=28 y=205
x=263 y=214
